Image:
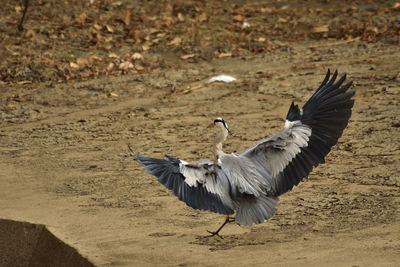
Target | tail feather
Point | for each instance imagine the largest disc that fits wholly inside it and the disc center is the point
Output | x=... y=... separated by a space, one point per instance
x=255 y=210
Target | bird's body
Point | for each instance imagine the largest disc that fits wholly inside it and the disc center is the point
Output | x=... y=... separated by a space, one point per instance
x=249 y=183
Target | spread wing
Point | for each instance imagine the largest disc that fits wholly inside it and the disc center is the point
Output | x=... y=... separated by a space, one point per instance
x=201 y=186
x=309 y=134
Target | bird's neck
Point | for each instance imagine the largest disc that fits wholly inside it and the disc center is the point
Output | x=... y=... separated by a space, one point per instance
x=219 y=139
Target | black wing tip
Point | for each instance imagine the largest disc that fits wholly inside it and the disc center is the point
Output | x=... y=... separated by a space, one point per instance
x=293 y=113
x=172 y=159
x=132 y=153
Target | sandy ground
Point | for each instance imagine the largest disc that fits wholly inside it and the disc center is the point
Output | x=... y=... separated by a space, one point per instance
x=64 y=162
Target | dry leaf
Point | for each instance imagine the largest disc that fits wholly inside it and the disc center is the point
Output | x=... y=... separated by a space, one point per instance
x=82 y=62
x=113 y=55
x=372 y=29
x=125 y=65
x=202 y=17
x=94 y=58
x=110 y=66
x=127 y=19
x=187 y=56
x=139 y=68
x=117 y=3
x=74 y=65
x=18 y=9
x=97 y=26
x=24 y=82
x=30 y=33
x=320 y=29
x=285 y=84
x=81 y=18
x=225 y=54
x=175 y=41
x=181 y=18
x=238 y=18
x=266 y=10
x=109 y=28
x=137 y=56
x=145 y=47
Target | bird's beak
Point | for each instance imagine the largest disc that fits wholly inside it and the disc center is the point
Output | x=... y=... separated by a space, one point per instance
x=211 y=125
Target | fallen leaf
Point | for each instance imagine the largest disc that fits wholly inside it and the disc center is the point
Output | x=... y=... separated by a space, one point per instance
x=109 y=28
x=372 y=29
x=225 y=55
x=175 y=41
x=113 y=55
x=238 y=18
x=97 y=26
x=74 y=65
x=30 y=33
x=137 y=56
x=117 y=3
x=94 y=58
x=18 y=9
x=125 y=65
x=24 y=82
x=285 y=84
x=108 y=39
x=139 y=68
x=145 y=47
x=82 y=62
x=202 y=17
x=320 y=29
x=187 y=56
x=127 y=18
x=181 y=18
x=110 y=66
x=266 y=10
x=81 y=18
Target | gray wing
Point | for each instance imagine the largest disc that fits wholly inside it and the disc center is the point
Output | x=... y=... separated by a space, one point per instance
x=202 y=186
x=309 y=134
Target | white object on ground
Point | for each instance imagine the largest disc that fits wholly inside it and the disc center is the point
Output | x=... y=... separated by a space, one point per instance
x=222 y=78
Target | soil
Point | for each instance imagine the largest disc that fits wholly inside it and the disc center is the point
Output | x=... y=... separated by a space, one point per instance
x=76 y=88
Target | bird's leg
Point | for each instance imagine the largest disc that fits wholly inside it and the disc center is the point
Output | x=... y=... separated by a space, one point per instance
x=227 y=220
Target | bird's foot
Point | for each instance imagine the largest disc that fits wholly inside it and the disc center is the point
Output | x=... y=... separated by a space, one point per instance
x=214 y=234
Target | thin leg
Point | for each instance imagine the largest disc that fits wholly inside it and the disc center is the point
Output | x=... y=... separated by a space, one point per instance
x=227 y=220
x=20 y=27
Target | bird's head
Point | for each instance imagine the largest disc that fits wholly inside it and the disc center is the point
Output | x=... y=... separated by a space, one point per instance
x=220 y=123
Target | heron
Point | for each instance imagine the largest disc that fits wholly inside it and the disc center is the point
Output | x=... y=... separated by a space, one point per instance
x=248 y=184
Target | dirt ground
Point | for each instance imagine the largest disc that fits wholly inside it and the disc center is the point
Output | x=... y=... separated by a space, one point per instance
x=76 y=88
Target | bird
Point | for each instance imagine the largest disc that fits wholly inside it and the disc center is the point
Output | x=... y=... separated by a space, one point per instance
x=247 y=185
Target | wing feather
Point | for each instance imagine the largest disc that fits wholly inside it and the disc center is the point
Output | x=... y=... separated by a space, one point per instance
x=199 y=187
x=308 y=136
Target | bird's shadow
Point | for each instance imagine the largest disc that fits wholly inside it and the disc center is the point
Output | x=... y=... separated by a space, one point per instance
x=226 y=242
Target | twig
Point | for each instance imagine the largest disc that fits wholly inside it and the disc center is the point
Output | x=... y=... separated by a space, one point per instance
x=338 y=43
x=20 y=27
